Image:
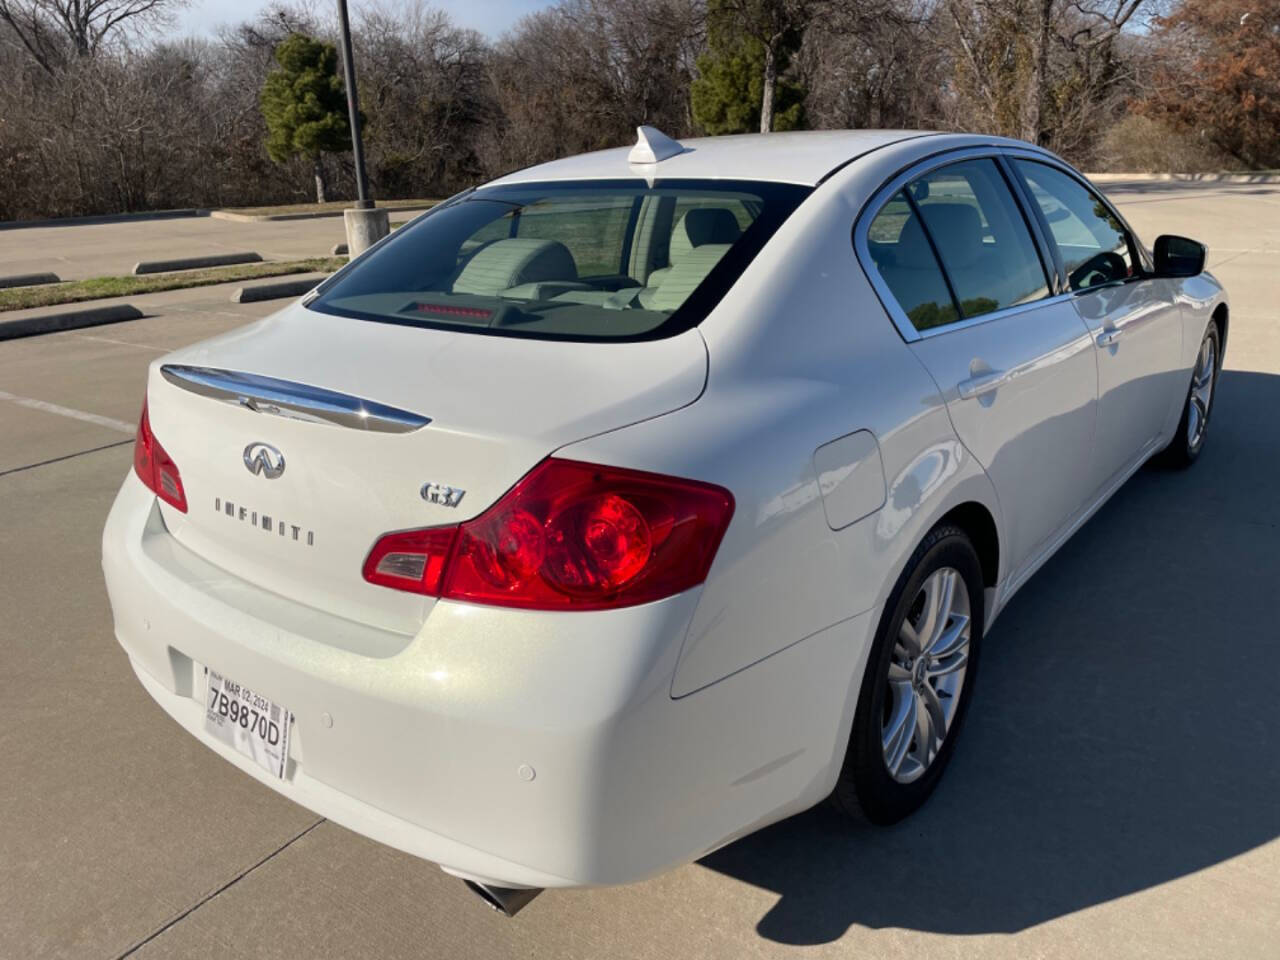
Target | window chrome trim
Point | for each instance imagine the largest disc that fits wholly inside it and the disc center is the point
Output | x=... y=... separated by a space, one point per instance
x=293 y=401
x=988 y=317
x=1050 y=254
x=906 y=329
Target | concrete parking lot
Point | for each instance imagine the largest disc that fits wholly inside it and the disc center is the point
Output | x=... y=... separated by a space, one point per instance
x=111 y=249
x=1116 y=794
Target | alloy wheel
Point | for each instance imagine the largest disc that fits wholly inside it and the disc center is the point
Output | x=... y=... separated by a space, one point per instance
x=926 y=675
x=1201 y=392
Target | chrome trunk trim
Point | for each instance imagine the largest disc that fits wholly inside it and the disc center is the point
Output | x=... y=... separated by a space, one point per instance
x=294 y=401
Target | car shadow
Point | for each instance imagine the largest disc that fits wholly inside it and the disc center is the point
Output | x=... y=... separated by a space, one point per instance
x=1124 y=732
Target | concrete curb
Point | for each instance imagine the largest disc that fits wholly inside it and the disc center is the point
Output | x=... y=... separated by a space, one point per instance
x=28 y=279
x=103 y=218
x=275 y=291
x=195 y=263
x=1260 y=177
x=67 y=320
x=313 y=215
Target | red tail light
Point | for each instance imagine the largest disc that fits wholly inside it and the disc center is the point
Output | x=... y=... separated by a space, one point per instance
x=568 y=536
x=155 y=467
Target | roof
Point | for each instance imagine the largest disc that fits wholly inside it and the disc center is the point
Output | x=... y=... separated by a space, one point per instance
x=803 y=157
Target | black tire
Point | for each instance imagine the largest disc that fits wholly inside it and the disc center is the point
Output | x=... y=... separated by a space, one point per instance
x=865 y=790
x=1182 y=451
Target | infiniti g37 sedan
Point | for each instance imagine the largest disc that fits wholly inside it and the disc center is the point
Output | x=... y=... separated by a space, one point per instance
x=628 y=503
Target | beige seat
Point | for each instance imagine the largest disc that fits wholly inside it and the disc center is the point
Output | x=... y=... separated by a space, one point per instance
x=699 y=240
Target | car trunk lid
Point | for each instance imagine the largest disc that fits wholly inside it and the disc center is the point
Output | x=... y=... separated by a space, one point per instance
x=304 y=437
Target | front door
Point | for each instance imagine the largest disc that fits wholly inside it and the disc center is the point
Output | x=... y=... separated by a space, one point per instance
x=1134 y=320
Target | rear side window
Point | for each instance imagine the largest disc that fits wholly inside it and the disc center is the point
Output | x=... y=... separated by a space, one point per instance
x=593 y=260
x=1094 y=246
x=954 y=245
x=904 y=258
x=981 y=237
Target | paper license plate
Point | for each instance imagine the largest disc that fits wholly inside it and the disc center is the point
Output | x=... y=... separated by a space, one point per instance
x=247 y=721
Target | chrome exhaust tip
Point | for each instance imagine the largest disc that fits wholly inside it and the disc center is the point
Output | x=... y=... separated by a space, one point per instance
x=508 y=901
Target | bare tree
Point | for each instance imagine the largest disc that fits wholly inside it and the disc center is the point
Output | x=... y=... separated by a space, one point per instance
x=874 y=63
x=51 y=29
x=1038 y=69
x=425 y=92
x=97 y=115
x=584 y=74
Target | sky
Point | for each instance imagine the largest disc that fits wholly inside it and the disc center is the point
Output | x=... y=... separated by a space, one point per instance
x=491 y=17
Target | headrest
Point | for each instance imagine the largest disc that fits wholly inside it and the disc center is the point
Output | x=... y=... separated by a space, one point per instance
x=515 y=261
x=912 y=251
x=700 y=226
x=956 y=230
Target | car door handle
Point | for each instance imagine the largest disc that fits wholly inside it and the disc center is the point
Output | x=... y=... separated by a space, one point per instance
x=982 y=383
x=1109 y=337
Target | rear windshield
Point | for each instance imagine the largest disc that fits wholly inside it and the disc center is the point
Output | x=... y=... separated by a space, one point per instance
x=598 y=260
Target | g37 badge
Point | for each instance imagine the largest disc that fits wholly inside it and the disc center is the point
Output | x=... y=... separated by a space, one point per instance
x=444 y=495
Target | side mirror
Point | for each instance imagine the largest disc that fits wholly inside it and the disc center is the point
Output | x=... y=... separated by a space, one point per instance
x=1179 y=257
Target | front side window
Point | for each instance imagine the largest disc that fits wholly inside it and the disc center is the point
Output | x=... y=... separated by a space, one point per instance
x=1093 y=243
x=593 y=260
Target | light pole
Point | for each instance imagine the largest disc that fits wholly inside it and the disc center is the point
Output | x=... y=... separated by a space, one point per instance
x=365 y=224
x=353 y=109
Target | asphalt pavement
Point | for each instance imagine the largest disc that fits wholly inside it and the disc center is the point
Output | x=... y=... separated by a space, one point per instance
x=1116 y=793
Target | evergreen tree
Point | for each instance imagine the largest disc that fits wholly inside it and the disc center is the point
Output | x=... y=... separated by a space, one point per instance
x=742 y=85
x=304 y=105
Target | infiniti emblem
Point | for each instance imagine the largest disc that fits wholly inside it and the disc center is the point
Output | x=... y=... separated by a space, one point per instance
x=262 y=459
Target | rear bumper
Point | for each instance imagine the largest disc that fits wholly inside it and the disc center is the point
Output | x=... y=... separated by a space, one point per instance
x=522 y=748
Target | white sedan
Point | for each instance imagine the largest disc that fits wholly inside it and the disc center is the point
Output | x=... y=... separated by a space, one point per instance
x=631 y=502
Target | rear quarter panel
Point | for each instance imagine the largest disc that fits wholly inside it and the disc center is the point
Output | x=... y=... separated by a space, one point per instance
x=801 y=353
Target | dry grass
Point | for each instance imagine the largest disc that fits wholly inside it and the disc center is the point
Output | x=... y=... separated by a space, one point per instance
x=100 y=288
x=333 y=206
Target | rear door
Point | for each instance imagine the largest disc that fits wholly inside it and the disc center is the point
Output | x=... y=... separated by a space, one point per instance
x=964 y=277
x=1134 y=319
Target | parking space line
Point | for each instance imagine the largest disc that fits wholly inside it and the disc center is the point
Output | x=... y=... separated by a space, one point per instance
x=108 y=422
x=122 y=343
x=68 y=456
x=203 y=900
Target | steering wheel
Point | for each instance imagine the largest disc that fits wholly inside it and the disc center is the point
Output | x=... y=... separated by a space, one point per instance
x=1100 y=268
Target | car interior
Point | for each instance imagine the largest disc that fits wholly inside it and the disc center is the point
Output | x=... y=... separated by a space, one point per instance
x=520 y=268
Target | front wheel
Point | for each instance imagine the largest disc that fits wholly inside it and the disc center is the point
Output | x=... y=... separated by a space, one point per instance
x=918 y=682
x=1188 y=440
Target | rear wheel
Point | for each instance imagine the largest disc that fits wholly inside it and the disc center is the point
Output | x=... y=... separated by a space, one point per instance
x=917 y=684
x=1189 y=438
